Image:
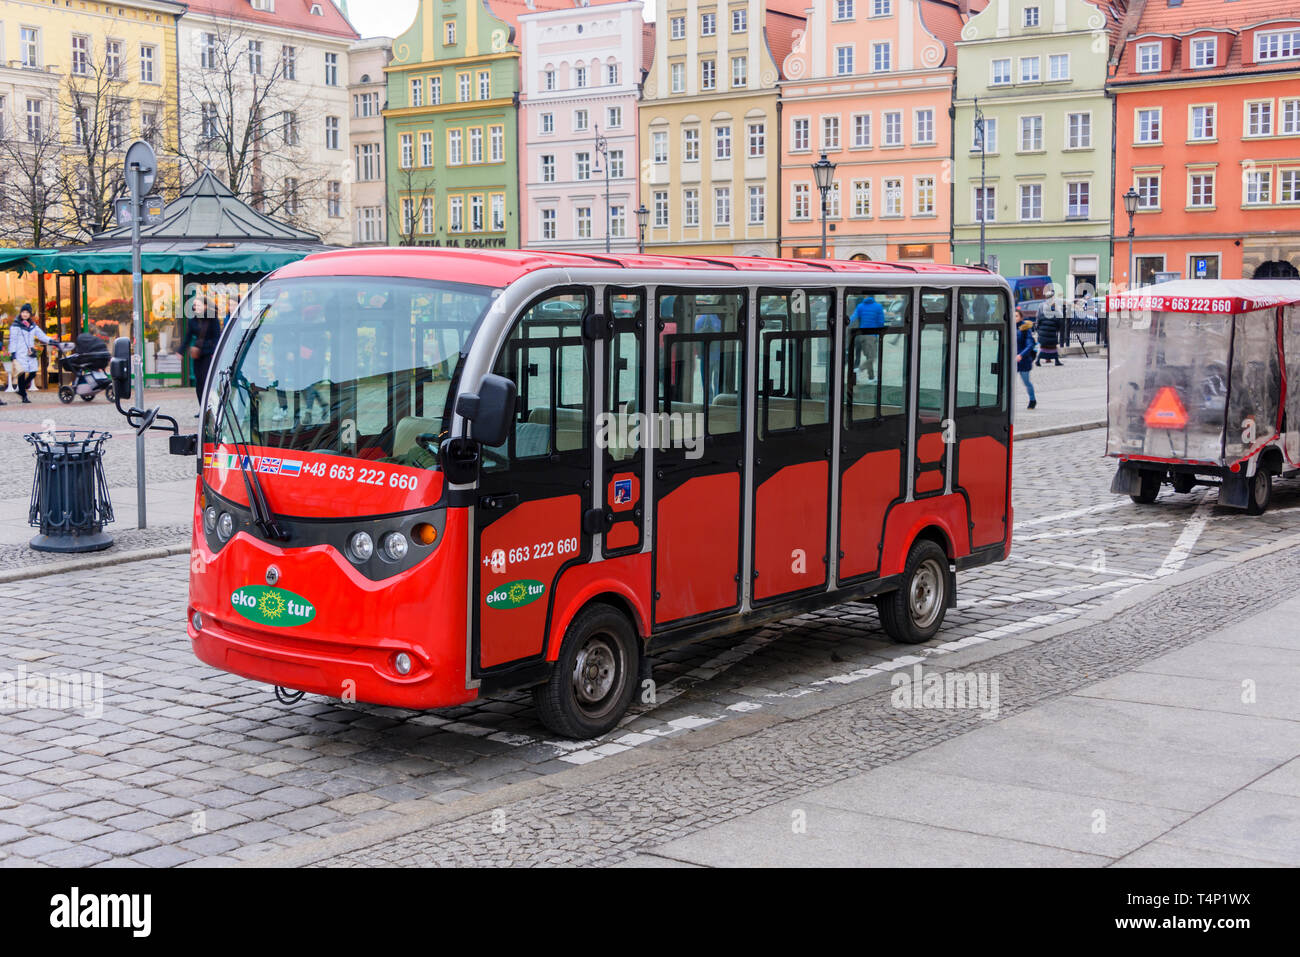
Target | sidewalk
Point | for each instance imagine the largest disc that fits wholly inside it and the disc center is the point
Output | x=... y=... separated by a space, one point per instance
x=1191 y=759
x=1070 y=395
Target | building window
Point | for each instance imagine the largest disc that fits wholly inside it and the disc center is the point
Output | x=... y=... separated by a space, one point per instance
x=426 y=215
x=678 y=28
x=80 y=56
x=580 y=77
x=843 y=60
x=548 y=224
x=1078 y=200
x=924 y=123
x=757 y=205
x=485 y=84
x=924 y=196
x=893 y=197
x=1259 y=118
x=370 y=225
x=611 y=74
x=289 y=126
x=614 y=117
x=417 y=93
x=659 y=146
x=1204 y=53
x=449 y=33
x=148 y=59
x=843 y=9
x=1290 y=112
x=548 y=167
x=331 y=69
x=209 y=122
x=1001 y=72
x=289 y=62
x=882 y=8
x=476 y=214
x=986 y=204
x=830 y=134
x=255 y=57
x=1148 y=190
x=1030 y=69
x=408 y=151
x=455 y=147
x=368 y=162
x=1148 y=126
x=617 y=168
x=799 y=134
x=1283 y=45
x=801 y=202
x=1031 y=16
x=708 y=74
x=334 y=199
x=29 y=45
x=661 y=209
x=462 y=87
x=476 y=145
x=1148 y=57
x=548 y=83
x=739 y=71
x=862 y=130
x=113 y=59
x=426 y=149
x=722 y=206
x=582 y=166
x=1200 y=190
x=757 y=136
x=456 y=209
x=580 y=121
x=1078 y=131
x=1031 y=202
x=497 y=143
x=582 y=222
x=740 y=20
x=292 y=196
x=881 y=57
x=691 y=208
x=1259 y=186
x=1031 y=134
x=435 y=92
x=150 y=124
x=708 y=24
x=893 y=120
x=408 y=215
x=722 y=142
x=1288 y=186
x=548 y=123
x=1203 y=122
x=1058 y=67
x=678 y=72
x=618 y=221
x=691 y=145
x=862 y=198
x=989 y=134
x=332 y=133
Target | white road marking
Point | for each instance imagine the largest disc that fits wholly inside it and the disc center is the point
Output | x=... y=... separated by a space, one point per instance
x=1099 y=530
x=1182 y=549
x=1076 y=513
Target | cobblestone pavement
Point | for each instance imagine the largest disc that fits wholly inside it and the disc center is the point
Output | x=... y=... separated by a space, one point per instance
x=176 y=739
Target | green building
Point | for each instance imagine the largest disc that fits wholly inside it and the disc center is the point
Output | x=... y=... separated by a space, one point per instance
x=451 y=128
x=1036 y=72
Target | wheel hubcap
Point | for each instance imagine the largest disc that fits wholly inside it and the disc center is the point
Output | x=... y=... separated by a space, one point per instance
x=595 y=673
x=926 y=593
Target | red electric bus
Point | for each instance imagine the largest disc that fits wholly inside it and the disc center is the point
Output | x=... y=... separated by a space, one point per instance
x=426 y=475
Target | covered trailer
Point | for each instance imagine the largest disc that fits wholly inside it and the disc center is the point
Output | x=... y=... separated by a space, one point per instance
x=1198 y=388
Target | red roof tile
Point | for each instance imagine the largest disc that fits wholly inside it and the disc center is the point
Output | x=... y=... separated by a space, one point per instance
x=290 y=14
x=647 y=45
x=1155 y=18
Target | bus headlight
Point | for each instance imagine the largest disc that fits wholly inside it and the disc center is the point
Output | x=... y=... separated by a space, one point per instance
x=361 y=546
x=394 y=545
x=225 y=526
x=210 y=518
x=402 y=663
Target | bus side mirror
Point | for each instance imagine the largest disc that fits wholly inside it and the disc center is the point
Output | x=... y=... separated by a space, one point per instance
x=491 y=409
x=120 y=368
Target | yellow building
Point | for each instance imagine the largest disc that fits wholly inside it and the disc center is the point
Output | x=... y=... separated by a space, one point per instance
x=93 y=77
x=709 y=126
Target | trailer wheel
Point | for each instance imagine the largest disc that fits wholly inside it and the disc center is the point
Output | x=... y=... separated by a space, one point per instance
x=1182 y=482
x=1148 y=488
x=595 y=676
x=914 y=613
x=1261 y=492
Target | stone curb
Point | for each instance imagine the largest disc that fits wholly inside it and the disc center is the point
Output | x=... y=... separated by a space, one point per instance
x=85 y=564
x=422 y=813
x=1061 y=430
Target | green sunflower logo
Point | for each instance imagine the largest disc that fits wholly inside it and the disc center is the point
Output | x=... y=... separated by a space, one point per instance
x=518 y=592
x=271 y=605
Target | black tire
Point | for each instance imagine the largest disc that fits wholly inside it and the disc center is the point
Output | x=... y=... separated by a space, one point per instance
x=595 y=676
x=1260 y=492
x=66 y=395
x=914 y=613
x=1183 y=482
x=88 y=398
x=1148 y=488
x=109 y=394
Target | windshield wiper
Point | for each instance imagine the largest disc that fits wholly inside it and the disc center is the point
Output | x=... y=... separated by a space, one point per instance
x=263 y=517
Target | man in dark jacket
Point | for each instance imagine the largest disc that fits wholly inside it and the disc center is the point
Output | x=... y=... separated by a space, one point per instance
x=1050 y=326
x=201 y=344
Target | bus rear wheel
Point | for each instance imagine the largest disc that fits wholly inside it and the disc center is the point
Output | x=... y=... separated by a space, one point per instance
x=1261 y=492
x=594 y=678
x=914 y=613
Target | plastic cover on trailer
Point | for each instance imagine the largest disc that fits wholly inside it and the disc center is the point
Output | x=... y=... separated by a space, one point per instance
x=1215 y=296
x=1291 y=342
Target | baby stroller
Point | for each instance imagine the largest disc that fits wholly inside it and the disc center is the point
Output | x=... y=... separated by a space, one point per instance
x=87 y=364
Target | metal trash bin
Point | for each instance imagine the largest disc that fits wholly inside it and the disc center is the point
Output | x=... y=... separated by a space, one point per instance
x=70 y=503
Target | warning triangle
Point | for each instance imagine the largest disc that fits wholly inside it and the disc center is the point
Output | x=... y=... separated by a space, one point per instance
x=1166 y=410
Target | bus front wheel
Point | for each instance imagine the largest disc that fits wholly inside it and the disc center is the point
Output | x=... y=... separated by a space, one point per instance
x=595 y=676
x=914 y=613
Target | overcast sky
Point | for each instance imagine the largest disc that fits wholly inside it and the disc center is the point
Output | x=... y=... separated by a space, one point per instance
x=388 y=18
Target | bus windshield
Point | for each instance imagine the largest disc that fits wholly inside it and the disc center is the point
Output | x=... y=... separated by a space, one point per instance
x=353 y=366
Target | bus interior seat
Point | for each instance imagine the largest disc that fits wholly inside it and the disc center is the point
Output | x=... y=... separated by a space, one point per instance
x=408 y=430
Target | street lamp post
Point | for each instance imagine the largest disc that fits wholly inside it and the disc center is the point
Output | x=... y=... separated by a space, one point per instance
x=602 y=149
x=1131 y=199
x=982 y=143
x=642 y=220
x=824 y=174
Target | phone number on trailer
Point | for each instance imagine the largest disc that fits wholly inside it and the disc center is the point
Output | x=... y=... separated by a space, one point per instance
x=362 y=476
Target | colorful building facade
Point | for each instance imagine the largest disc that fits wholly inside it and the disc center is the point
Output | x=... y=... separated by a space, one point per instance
x=1207 y=106
x=1036 y=72
x=870 y=86
x=368 y=88
x=580 y=166
x=708 y=122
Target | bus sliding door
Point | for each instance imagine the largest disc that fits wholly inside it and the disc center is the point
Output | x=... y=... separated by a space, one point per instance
x=873 y=432
x=983 y=424
x=792 y=432
x=698 y=454
x=933 y=429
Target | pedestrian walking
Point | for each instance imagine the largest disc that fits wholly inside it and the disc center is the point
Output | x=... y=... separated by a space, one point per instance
x=1026 y=353
x=201 y=345
x=868 y=314
x=23 y=336
x=1050 y=326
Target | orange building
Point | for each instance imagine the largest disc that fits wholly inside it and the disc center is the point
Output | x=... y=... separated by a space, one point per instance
x=1207 y=132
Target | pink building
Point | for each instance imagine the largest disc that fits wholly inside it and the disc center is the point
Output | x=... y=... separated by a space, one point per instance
x=870 y=85
x=580 y=168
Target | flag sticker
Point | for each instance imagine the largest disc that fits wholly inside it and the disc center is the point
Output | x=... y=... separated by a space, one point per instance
x=290 y=467
x=270 y=466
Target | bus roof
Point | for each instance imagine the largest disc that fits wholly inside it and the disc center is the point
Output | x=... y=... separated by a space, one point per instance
x=1222 y=296
x=498 y=267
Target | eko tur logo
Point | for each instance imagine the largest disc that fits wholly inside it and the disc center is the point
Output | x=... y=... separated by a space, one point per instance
x=272 y=606
x=516 y=594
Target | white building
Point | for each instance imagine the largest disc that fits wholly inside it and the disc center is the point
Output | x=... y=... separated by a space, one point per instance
x=581 y=70
x=368 y=88
x=265 y=104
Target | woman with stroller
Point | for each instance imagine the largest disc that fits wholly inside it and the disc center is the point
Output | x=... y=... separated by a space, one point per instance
x=23 y=336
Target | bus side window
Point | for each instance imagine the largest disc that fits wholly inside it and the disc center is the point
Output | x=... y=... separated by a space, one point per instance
x=700 y=369
x=980 y=360
x=794 y=360
x=876 y=356
x=546 y=358
x=932 y=376
x=623 y=388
